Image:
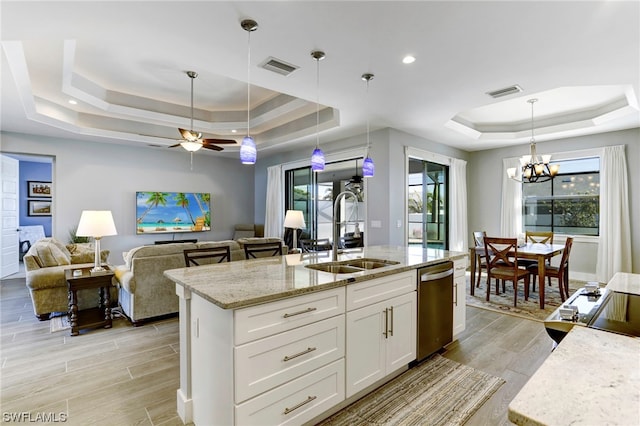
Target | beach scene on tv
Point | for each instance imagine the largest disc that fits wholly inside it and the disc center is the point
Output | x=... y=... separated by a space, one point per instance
x=163 y=212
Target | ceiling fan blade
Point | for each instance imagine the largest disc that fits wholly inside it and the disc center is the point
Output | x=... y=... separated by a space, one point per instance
x=213 y=147
x=173 y=146
x=218 y=141
x=190 y=135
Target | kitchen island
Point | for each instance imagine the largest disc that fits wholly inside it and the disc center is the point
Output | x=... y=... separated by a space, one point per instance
x=272 y=341
x=591 y=378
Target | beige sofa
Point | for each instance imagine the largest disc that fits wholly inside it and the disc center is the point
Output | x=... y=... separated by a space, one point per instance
x=45 y=264
x=144 y=291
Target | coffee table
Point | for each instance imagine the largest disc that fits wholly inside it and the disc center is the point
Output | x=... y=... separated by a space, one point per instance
x=99 y=316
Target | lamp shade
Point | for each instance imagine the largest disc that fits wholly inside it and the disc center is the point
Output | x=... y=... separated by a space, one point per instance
x=248 y=151
x=191 y=146
x=317 y=160
x=368 y=168
x=294 y=219
x=96 y=223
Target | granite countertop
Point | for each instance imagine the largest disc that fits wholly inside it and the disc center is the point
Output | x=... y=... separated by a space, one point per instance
x=249 y=282
x=591 y=378
x=625 y=283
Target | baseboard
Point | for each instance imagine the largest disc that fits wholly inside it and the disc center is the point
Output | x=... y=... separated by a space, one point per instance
x=185 y=407
x=582 y=276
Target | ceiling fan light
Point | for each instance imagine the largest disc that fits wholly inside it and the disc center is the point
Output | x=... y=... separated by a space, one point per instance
x=191 y=146
x=317 y=160
x=368 y=167
x=248 y=151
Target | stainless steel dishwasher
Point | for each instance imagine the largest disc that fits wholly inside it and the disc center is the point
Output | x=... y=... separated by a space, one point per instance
x=435 y=308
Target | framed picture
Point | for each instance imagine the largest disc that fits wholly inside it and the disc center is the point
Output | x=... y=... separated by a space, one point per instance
x=39 y=189
x=39 y=207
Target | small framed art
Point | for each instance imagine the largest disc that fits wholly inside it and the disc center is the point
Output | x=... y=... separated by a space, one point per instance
x=39 y=189
x=39 y=207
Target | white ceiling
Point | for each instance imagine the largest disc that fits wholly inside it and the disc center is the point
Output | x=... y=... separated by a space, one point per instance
x=125 y=63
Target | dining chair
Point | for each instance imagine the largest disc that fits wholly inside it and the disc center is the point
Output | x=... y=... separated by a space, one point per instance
x=536 y=237
x=502 y=264
x=193 y=257
x=255 y=250
x=309 y=245
x=560 y=272
x=481 y=260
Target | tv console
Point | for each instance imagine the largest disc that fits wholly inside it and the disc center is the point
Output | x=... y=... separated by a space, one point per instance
x=175 y=241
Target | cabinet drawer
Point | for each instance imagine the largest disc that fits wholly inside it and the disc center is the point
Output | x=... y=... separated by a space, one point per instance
x=267 y=363
x=459 y=267
x=379 y=289
x=297 y=401
x=268 y=319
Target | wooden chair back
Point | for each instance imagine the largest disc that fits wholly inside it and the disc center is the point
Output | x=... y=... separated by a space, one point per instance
x=564 y=261
x=310 y=245
x=541 y=237
x=478 y=238
x=250 y=250
x=501 y=253
x=192 y=257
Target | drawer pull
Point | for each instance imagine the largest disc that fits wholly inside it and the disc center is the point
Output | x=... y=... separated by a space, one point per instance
x=289 y=358
x=385 y=333
x=391 y=329
x=300 y=312
x=295 y=407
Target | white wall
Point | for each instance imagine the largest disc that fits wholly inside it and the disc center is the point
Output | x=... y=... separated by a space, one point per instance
x=90 y=176
x=484 y=177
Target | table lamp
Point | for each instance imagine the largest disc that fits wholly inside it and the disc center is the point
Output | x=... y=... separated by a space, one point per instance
x=96 y=224
x=294 y=219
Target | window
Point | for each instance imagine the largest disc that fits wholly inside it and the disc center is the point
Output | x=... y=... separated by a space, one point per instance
x=427 y=181
x=568 y=204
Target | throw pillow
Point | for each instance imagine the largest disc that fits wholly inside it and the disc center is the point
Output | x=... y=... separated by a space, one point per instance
x=50 y=255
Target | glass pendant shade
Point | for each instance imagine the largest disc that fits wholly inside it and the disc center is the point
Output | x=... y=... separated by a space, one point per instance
x=317 y=160
x=191 y=146
x=368 y=167
x=248 y=151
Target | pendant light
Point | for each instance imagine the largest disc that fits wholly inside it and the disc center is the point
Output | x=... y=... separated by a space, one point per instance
x=532 y=169
x=317 y=157
x=248 y=147
x=368 y=167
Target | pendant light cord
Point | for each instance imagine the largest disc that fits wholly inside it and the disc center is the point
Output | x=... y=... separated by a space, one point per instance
x=368 y=105
x=317 y=102
x=248 y=81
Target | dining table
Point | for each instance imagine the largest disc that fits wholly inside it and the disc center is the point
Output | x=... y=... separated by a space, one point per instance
x=535 y=251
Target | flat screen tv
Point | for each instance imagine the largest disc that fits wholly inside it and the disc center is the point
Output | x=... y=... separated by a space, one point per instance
x=168 y=212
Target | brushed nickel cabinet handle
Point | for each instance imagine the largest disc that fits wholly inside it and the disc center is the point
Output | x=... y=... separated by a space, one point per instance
x=295 y=407
x=306 y=351
x=386 y=324
x=391 y=329
x=305 y=311
x=455 y=293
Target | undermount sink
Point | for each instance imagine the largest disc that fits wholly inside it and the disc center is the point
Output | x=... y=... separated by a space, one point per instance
x=334 y=268
x=370 y=263
x=351 y=266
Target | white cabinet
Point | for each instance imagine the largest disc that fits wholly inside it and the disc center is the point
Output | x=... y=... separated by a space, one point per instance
x=459 y=295
x=381 y=337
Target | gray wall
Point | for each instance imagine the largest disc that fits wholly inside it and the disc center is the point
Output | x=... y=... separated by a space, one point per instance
x=484 y=177
x=90 y=176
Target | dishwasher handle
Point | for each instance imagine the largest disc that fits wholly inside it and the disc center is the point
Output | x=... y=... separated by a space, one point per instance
x=429 y=276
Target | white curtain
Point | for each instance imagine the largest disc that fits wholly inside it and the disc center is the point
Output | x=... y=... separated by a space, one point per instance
x=614 y=245
x=511 y=213
x=458 y=234
x=274 y=214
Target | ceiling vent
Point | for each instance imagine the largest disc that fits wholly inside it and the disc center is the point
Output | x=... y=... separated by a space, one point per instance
x=506 y=91
x=278 y=66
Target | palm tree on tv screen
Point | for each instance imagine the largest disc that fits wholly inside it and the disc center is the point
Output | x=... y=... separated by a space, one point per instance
x=183 y=201
x=155 y=199
x=203 y=198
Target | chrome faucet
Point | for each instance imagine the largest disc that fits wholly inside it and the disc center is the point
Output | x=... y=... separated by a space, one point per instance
x=340 y=196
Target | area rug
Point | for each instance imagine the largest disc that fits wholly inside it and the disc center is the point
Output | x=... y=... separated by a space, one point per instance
x=60 y=323
x=439 y=391
x=530 y=309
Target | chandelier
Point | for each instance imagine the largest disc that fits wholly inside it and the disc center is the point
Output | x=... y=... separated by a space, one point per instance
x=534 y=169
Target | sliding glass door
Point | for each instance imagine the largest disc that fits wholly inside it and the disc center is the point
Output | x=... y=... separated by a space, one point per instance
x=428 y=204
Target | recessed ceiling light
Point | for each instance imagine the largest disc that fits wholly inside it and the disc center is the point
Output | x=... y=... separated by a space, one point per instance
x=234 y=131
x=73 y=102
x=408 y=59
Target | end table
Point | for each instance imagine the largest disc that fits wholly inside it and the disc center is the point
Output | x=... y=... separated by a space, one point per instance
x=93 y=317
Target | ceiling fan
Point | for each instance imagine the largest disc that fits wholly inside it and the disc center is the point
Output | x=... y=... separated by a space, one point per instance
x=355 y=183
x=193 y=141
